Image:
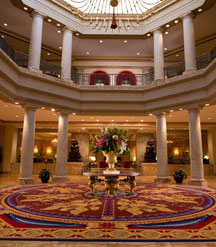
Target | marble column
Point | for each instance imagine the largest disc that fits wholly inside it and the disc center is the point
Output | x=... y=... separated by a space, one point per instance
x=35 y=41
x=62 y=149
x=66 y=54
x=26 y=164
x=196 y=152
x=162 y=160
x=189 y=43
x=158 y=55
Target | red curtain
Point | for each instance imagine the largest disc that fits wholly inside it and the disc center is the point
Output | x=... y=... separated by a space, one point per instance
x=126 y=76
x=100 y=77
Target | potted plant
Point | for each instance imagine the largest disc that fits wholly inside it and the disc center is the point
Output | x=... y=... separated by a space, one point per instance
x=179 y=175
x=44 y=175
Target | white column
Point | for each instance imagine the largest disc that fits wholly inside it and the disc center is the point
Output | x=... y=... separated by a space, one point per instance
x=158 y=55
x=62 y=148
x=35 y=41
x=26 y=165
x=196 y=153
x=189 y=42
x=66 y=54
x=162 y=160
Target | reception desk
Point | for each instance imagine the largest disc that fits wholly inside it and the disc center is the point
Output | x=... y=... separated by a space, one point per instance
x=73 y=168
x=150 y=169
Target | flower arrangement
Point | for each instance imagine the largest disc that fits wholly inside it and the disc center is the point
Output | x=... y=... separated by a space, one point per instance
x=111 y=140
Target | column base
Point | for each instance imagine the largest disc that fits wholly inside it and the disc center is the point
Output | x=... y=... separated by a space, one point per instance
x=163 y=180
x=59 y=179
x=24 y=181
x=198 y=182
x=35 y=70
x=189 y=71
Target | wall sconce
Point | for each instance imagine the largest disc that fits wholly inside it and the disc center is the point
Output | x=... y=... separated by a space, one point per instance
x=35 y=149
x=92 y=158
x=176 y=151
x=48 y=150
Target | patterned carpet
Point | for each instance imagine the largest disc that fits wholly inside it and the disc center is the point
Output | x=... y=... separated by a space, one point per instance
x=68 y=212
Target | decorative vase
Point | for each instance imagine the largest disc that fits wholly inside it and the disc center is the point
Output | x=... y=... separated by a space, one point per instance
x=111 y=159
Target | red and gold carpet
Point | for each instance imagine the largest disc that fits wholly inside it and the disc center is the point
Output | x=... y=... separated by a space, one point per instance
x=68 y=212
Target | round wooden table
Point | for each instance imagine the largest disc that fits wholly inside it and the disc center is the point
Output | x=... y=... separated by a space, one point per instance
x=111 y=181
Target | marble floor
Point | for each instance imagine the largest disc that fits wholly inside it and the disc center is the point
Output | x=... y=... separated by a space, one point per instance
x=7 y=179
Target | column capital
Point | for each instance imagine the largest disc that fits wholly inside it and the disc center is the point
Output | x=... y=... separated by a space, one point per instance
x=35 y=13
x=64 y=113
x=194 y=108
x=29 y=107
x=187 y=15
x=160 y=114
x=66 y=28
x=158 y=29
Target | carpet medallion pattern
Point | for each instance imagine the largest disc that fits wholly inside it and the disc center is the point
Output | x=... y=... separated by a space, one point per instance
x=69 y=212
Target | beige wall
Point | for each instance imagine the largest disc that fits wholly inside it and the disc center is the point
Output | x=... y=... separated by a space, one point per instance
x=8 y=142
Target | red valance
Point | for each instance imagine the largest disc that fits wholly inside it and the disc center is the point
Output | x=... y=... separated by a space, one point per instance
x=126 y=77
x=99 y=77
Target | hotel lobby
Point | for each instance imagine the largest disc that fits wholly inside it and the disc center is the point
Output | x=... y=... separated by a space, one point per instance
x=71 y=69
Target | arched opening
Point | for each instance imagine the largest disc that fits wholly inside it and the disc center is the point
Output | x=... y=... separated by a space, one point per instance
x=99 y=77
x=126 y=78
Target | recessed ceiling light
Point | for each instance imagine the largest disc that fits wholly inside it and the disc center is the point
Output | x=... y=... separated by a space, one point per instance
x=148 y=34
x=141 y=128
x=87 y=52
x=138 y=53
x=180 y=109
x=16 y=103
x=209 y=118
x=177 y=55
x=52 y=109
x=165 y=48
x=101 y=41
x=74 y=113
x=171 y=110
x=5 y=24
x=3 y=36
x=97 y=120
x=166 y=32
x=199 y=10
x=126 y=120
x=25 y=8
x=125 y=41
x=43 y=108
x=77 y=34
x=59 y=31
x=112 y=120
x=58 y=24
x=167 y=25
x=49 y=20
x=142 y=120
x=176 y=21
x=83 y=128
x=60 y=47
x=48 y=54
x=206 y=104
x=150 y=114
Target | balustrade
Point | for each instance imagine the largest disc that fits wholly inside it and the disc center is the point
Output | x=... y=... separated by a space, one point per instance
x=84 y=79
